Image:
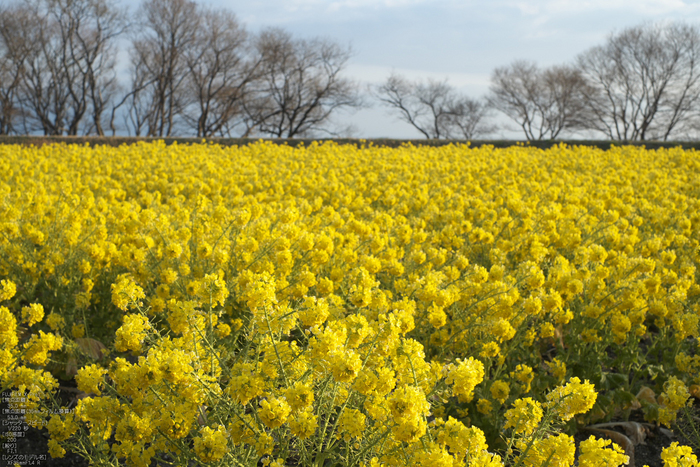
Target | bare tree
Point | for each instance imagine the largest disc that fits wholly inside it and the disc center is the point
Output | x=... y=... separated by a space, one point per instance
x=469 y=118
x=300 y=85
x=42 y=92
x=221 y=70
x=88 y=30
x=644 y=83
x=435 y=108
x=14 y=22
x=167 y=30
x=138 y=99
x=59 y=54
x=542 y=102
x=96 y=25
x=425 y=107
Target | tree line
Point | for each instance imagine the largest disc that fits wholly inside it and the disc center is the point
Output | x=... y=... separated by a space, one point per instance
x=643 y=83
x=190 y=69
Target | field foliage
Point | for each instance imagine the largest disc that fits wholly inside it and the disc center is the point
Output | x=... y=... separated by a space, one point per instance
x=334 y=305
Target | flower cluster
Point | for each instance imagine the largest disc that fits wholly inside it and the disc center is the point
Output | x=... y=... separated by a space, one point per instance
x=601 y=452
x=573 y=398
x=328 y=303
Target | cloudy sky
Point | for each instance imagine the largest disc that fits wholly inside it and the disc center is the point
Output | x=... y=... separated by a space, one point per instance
x=458 y=40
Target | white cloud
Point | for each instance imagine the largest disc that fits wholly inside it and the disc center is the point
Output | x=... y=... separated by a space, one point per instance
x=557 y=7
x=549 y=9
x=373 y=4
x=332 y=6
x=544 y=18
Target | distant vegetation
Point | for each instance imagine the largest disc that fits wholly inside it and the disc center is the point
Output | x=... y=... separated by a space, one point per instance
x=641 y=84
x=360 y=143
x=192 y=71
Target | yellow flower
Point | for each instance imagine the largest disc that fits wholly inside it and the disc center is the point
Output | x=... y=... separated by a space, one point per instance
x=36 y=350
x=61 y=428
x=408 y=402
x=274 y=412
x=55 y=321
x=675 y=397
x=245 y=383
x=466 y=443
x=547 y=330
x=314 y=312
x=78 y=331
x=351 y=424
x=125 y=293
x=300 y=396
x=204 y=250
x=258 y=290
x=503 y=330
x=215 y=289
x=240 y=429
x=409 y=408
x=553 y=451
x=676 y=393
x=90 y=378
x=525 y=416
x=557 y=368
x=484 y=406
x=409 y=429
x=524 y=374
x=193 y=288
x=500 y=391
x=173 y=250
x=621 y=325
x=325 y=286
x=590 y=336
x=222 y=330
x=572 y=398
x=56 y=451
x=264 y=444
x=437 y=316
x=490 y=350
x=595 y=453
x=685 y=325
x=168 y=276
x=131 y=334
x=303 y=424
x=85 y=267
x=678 y=456
x=345 y=366
x=211 y=445
x=8 y=290
x=362 y=281
x=32 y=314
x=464 y=377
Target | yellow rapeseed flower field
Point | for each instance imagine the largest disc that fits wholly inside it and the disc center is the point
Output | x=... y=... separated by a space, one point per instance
x=335 y=305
